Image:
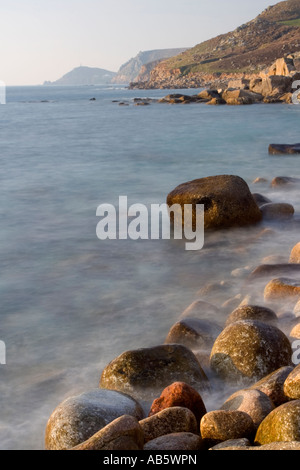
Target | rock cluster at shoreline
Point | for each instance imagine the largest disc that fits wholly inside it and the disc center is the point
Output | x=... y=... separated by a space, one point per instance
x=273 y=86
x=158 y=398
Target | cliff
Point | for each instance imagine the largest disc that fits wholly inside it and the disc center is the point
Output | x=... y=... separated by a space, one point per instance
x=248 y=50
x=129 y=71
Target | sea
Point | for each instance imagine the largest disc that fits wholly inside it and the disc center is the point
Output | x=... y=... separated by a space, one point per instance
x=71 y=303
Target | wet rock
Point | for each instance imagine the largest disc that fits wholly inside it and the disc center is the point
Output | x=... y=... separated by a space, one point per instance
x=277 y=211
x=219 y=426
x=209 y=95
x=176 y=441
x=284 y=149
x=144 y=373
x=260 y=199
x=292 y=384
x=227 y=200
x=240 y=443
x=124 y=433
x=249 y=350
x=193 y=333
x=297 y=309
x=282 y=288
x=253 y=402
x=295 y=333
x=295 y=254
x=260 y=180
x=216 y=101
x=236 y=96
x=284 y=181
x=168 y=421
x=273 y=385
x=253 y=312
x=182 y=395
x=274 y=270
x=78 y=418
x=281 y=425
x=200 y=309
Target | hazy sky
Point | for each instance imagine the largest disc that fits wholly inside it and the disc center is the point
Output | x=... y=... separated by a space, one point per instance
x=44 y=39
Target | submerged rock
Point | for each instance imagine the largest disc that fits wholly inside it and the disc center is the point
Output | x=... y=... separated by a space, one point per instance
x=282 y=289
x=78 y=418
x=284 y=149
x=295 y=254
x=227 y=200
x=275 y=211
x=249 y=350
x=144 y=373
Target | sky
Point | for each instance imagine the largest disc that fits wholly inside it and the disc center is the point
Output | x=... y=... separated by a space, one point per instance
x=44 y=39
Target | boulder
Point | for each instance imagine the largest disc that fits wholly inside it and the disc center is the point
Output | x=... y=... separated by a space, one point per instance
x=241 y=83
x=284 y=149
x=284 y=181
x=200 y=309
x=236 y=96
x=78 y=418
x=209 y=95
x=295 y=254
x=227 y=201
x=219 y=426
x=253 y=402
x=295 y=333
x=292 y=384
x=168 y=421
x=282 y=289
x=144 y=373
x=260 y=199
x=181 y=441
x=284 y=67
x=273 y=385
x=297 y=309
x=270 y=271
x=193 y=333
x=281 y=425
x=182 y=395
x=277 y=211
x=249 y=350
x=253 y=312
x=124 y=433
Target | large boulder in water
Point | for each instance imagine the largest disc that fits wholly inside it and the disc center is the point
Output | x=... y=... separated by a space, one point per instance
x=227 y=200
x=144 y=373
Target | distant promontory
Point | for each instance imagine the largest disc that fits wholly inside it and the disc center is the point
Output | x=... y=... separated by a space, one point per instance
x=84 y=76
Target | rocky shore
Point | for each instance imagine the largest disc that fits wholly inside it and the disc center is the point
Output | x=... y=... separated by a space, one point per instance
x=160 y=397
x=278 y=84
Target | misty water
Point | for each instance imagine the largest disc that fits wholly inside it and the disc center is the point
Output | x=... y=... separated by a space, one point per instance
x=71 y=303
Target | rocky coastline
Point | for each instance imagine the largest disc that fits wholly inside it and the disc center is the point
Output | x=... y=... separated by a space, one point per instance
x=159 y=398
